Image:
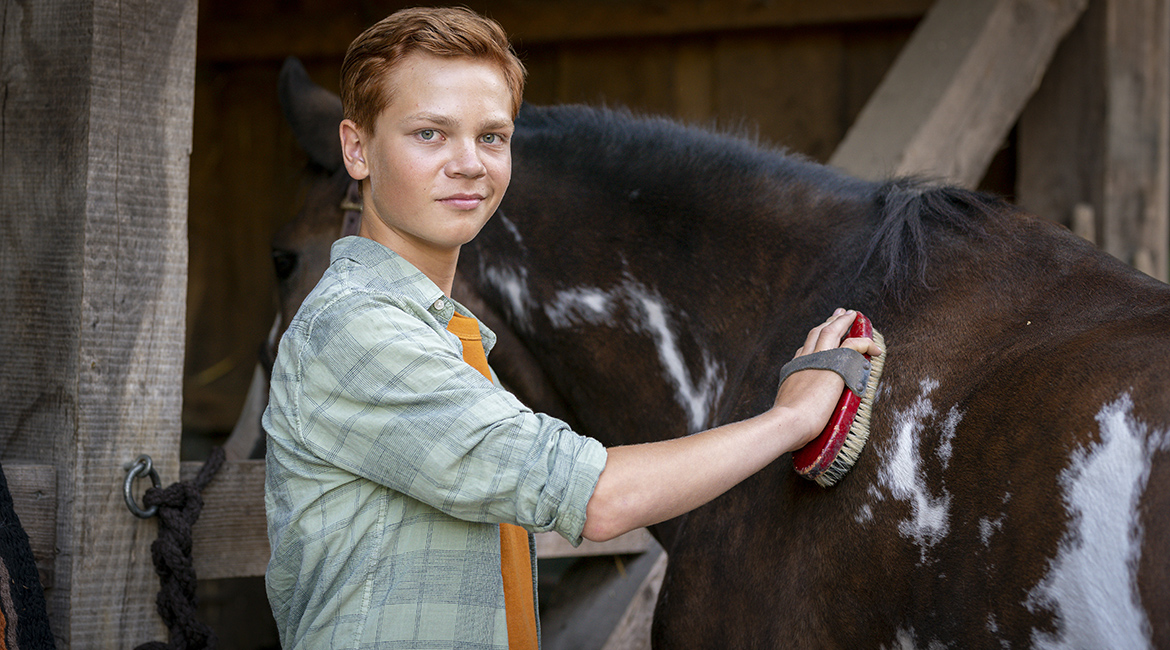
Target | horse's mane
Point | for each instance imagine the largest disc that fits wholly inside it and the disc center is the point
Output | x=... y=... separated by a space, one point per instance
x=912 y=213
x=906 y=216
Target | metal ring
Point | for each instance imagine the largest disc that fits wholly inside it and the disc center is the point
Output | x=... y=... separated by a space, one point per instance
x=143 y=465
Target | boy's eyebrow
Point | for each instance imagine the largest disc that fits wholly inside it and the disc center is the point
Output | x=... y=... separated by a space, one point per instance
x=443 y=120
x=434 y=118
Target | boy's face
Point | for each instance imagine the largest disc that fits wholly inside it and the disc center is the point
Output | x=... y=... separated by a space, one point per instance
x=439 y=160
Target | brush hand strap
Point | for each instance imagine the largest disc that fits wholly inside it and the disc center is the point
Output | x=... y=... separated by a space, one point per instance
x=850 y=364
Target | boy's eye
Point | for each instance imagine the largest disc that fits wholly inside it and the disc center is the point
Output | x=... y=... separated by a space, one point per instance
x=427 y=134
x=491 y=138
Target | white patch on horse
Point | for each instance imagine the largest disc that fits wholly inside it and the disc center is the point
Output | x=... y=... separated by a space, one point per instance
x=648 y=314
x=945 y=445
x=696 y=397
x=993 y=628
x=581 y=305
x=902 y=474
x=510 y=226
x=904 y=640
x=1091 y=584
x=864 y=514
x=512 y=283
x=988 y=527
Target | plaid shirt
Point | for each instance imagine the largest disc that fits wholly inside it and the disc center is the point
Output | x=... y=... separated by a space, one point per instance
x=391 y=462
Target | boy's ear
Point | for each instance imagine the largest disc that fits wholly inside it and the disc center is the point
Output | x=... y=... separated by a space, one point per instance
x=353 y=150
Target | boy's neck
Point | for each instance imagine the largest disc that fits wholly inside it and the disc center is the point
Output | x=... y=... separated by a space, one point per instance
x=438 y=266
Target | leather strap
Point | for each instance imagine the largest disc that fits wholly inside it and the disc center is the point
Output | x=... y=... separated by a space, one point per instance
x=851 y=365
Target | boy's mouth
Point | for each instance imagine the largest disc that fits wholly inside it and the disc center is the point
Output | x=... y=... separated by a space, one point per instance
x=463 y=201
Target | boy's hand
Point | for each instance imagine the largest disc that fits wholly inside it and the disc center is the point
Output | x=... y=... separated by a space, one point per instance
x=811 y=395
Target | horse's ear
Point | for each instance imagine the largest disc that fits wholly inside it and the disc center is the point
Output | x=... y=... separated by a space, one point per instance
x=313 y=113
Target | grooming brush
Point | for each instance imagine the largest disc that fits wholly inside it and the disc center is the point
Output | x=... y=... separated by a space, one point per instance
x=832 y=453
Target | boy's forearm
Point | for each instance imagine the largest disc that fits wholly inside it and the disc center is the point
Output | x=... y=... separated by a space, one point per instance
x=649 y=483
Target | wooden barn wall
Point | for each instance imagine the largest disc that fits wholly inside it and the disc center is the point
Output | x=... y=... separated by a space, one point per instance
x=791 y=72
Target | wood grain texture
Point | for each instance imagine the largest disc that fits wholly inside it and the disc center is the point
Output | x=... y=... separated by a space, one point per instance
x=956 y=89
x=97 y=114
x=633 y=630
x=1137 y=130
x=262 y=31
x=1095 y=136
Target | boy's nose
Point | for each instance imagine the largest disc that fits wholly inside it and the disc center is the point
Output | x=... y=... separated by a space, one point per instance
x=466 y=162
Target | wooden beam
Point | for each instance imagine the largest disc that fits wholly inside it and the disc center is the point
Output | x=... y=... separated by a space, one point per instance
x=549 y=545
x=1138 y=134
x=327 y=32
x=956 y=89
x=1060 y=138
x=1095 y=140
x=97 y=112
x=230 y=540
x=633 y=631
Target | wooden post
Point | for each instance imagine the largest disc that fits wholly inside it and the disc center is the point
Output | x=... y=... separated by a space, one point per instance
x=956 y=89
x=1097 y=132
x=97 y=100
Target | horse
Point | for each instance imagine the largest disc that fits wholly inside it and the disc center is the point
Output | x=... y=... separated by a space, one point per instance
x=648 y=279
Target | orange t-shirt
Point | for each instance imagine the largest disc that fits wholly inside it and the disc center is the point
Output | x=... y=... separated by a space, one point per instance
x=515 y=556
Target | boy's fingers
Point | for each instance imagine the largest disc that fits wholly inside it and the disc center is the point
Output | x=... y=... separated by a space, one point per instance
x=831 y=333
x=863 y=345
x=813 y=342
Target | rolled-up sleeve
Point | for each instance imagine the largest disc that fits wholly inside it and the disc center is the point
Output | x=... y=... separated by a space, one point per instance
x=387 y=397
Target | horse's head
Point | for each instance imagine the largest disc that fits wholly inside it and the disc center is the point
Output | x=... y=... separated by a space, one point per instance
x=300 y=250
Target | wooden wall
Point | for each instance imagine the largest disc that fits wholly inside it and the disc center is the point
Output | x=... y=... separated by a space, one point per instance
x=794 y=72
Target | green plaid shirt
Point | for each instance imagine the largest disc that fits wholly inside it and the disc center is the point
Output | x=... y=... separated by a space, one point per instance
x=391 y=462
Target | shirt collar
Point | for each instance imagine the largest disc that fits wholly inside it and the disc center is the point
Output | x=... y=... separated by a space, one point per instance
x=385 y=263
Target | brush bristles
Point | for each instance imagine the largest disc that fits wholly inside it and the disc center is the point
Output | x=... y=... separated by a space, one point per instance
x=859 y=429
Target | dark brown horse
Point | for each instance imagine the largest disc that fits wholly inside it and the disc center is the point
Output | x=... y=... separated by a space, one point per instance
x=648 y=280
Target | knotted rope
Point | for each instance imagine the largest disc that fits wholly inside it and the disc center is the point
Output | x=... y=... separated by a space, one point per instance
x=179 y=506
x=24 y=620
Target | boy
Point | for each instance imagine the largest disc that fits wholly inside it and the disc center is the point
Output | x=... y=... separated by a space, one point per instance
x=397 y=470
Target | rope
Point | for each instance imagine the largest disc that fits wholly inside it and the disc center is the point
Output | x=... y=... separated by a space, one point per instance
x=24 y=620
x=179 y=506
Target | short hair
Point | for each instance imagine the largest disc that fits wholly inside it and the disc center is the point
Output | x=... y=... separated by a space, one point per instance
x=452 y=32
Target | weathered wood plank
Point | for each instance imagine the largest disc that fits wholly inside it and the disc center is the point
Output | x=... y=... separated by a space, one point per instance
x=590 y=597
x=97 y=100
x=633 y=631
x=327 y=32
x=1137 y=132
x=793 y=92
x=550 y=545
x=1060 y=140
x=1095 y=139
x=956 y=89
x=230 y=540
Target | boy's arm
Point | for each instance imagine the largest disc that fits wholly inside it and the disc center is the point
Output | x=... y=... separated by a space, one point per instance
x=649 y=483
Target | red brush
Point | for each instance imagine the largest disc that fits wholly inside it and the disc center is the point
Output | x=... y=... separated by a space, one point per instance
x=831 y=454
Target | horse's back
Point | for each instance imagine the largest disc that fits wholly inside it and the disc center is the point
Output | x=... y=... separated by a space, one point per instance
x=1013 y=492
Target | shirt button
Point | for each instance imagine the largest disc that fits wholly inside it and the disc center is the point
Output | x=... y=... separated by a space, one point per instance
x=440 y=304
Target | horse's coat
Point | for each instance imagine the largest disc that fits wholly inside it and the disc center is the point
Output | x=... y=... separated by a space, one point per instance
x=1097 y=558
x=648 y=280
x=638 y=308
x=900 y=473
